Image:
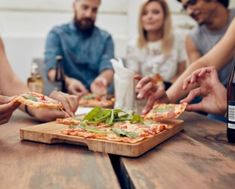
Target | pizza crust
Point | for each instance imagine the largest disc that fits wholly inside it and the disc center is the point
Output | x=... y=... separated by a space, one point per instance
x=142 y=130
x=42 y=101
x=91 y=100
x=165 y=111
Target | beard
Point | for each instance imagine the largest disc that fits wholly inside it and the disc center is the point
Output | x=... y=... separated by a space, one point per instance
x=84 y=25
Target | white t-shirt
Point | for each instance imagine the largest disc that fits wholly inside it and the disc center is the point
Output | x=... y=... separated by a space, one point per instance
x=150 y=60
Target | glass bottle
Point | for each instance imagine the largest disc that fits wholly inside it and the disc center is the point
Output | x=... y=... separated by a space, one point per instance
x=59 y=80
x=35 y=81
x=231 y=108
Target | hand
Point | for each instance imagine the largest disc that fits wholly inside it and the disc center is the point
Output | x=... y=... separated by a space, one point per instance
x=75 y=87
x=69 y=102
x=146 y=88
x=7 y=107
x=213 y=92
x=99 y=86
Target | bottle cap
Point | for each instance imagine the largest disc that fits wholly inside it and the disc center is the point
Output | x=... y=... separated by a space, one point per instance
x=34 y=68
x=58 y=58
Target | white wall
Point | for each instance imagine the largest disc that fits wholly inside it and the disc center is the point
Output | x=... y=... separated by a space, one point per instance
x=24 y=25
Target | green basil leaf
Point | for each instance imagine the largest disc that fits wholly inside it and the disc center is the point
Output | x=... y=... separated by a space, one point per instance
x=108 y=116
x=111 y=118
x=33 y=98
x=92 y=129
x=136 y=118
x=122 y=133
x=93 y=113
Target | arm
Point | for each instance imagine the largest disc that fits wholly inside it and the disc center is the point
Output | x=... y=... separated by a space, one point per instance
x=180 y=70
x=218 y=57
x=7 y=76
x=181 y=56
x=73 y=86
x=104 y=79
x=105 y=67
x=69 y=102
x=52 y=49
x=191 y=49
x=7 y=104
x=108 y=75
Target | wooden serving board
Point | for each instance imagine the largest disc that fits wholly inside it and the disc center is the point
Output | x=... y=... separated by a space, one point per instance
x=50 y=133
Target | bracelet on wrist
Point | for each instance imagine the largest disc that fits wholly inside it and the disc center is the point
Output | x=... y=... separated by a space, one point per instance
x=26 y=109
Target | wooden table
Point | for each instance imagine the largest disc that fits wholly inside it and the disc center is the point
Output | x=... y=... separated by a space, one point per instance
x=39 y=166
x=198 y=157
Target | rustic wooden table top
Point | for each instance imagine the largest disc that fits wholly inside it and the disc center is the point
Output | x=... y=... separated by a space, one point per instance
x=39 y=166
x=198 y=157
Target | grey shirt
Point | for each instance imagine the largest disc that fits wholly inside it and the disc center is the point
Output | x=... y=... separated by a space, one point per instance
x=205 y=39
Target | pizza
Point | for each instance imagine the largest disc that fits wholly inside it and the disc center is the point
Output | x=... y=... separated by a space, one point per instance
x=112 y=125
x=37 y=100
x=93 y=100
x=69 y=121
x=165 y=111
x=157 y=79
x=120 y=132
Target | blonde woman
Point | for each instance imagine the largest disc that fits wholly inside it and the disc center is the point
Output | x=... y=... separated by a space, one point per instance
x=156 y=50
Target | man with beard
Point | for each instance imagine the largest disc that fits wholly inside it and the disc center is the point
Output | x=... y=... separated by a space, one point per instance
x=213 y=18
x=86 y=51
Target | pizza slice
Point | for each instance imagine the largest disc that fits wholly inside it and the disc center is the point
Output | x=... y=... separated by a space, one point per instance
x=165 y=111
x=93 y=100
x=37 y=100
x=69 y=121
x=157 y=79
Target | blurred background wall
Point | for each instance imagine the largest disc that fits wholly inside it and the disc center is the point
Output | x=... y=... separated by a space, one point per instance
x=24 y=25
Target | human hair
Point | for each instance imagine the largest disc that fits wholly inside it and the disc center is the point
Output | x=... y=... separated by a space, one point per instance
x=79 y=0
x=167 y=37
x=225 y=3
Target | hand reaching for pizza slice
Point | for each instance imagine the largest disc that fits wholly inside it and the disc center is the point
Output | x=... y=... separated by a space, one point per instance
x=147 y=88
x=209 y=87
x=75 y=87
x=99 y=86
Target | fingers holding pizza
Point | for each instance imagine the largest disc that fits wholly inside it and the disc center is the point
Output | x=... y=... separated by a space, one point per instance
x=7 y=107
x=46 y=114
x=69 y=102
x=147 y=88
x=44 y=108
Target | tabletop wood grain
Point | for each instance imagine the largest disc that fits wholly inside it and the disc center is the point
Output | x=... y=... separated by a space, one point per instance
x=34 y=165
x=198 y=157
x=209 y=132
